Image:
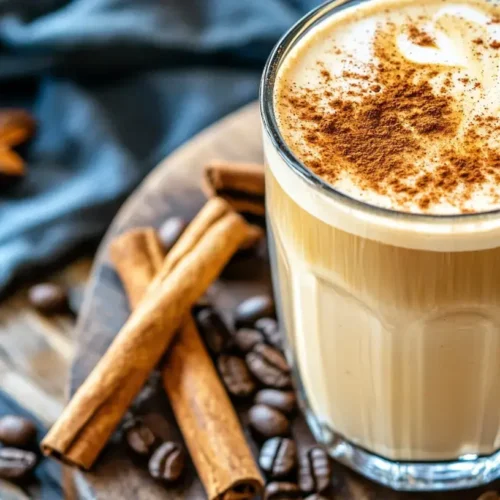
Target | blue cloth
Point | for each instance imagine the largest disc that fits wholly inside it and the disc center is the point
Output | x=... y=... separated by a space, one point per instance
x=115 y=86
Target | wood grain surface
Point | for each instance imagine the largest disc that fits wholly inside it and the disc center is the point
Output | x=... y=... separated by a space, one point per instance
x=174 y=189
x=35 y=359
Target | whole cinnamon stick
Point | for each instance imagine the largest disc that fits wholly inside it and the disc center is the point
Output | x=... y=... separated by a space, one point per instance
x=94 y=412
x=200 y=403
x=240 y=184
x=213 y=435
x=208 y=421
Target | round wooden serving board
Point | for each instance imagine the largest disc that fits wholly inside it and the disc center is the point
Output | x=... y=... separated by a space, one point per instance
x=173 y=188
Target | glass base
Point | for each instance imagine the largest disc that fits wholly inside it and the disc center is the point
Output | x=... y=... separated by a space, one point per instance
x=468 y=471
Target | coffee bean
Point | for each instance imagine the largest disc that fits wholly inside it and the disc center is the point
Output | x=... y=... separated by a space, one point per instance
x=246 y=338
x=170 y=231
x=268 y=422
x=269 y=366
x=17 y=431
x=284 y=401
x=48 y=298
x=15 y=464
x=282 y=491
x=213 y=330
x=315 y=471
x=278 y=457
x=236 y=376
x=167 y=462
x=252 y=309
x=270 y=329
x=139 y=436
x=315 y=496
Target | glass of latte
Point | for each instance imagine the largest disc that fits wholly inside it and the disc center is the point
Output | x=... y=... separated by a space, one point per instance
x=382 y=145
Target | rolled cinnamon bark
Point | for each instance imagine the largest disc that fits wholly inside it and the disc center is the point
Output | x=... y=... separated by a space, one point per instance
x=240 y=184
x=199 y=401
x=208 y=422
x=88 y=421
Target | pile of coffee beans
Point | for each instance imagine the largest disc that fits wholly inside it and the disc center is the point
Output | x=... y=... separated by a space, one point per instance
x=166 y=460
x=18 y=442
x=251 y=363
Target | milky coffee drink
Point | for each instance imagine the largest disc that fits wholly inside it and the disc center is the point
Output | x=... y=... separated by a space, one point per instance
x=387 y=274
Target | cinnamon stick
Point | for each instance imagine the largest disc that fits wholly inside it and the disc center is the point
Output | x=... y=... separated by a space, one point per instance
x=88 y=421
x=208 y=422
x=199 y=401
x=240 y=184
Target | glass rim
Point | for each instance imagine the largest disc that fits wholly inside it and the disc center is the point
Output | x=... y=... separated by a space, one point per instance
x=271 y=128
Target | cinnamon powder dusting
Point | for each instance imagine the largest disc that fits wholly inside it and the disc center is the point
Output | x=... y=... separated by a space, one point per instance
x=420 y=37
x=382 y=135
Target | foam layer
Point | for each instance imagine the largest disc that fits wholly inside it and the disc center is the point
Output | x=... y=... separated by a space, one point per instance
x=398 y=104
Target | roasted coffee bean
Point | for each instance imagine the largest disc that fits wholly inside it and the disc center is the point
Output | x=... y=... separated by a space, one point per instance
x=48 y=298
x=278 y=457
x=268 y=422
x=236 y=376
x=282 y=491
x=246 y=338
x=167 y=462
x=315 y=496
x=139 y=436
x=170 y=231
x=269 y=366
x=270 y=329
x=213 y=330
x=17 y=431
x=314 y=471
x=15 y=464
x=252 y=309
x=284 y=401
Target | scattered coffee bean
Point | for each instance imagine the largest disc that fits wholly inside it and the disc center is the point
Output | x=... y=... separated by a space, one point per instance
x=213 y=330
x=48 y=298
x=167 y=462
x=246 y=338
x=268 y=422
x=236 y=376
x=282 y=491
x=170 y=231
x=139 y=436
x=315 y=471
x=15 y=464
x=278 y=457
x=17 y=431
x=269 y=366
x=270 y=329
x=252 y=309
x=285 y=401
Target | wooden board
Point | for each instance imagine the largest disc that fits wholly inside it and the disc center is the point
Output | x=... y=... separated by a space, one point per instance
x=173 y=189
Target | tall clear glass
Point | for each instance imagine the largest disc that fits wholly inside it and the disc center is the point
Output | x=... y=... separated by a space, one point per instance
x=392 y=319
